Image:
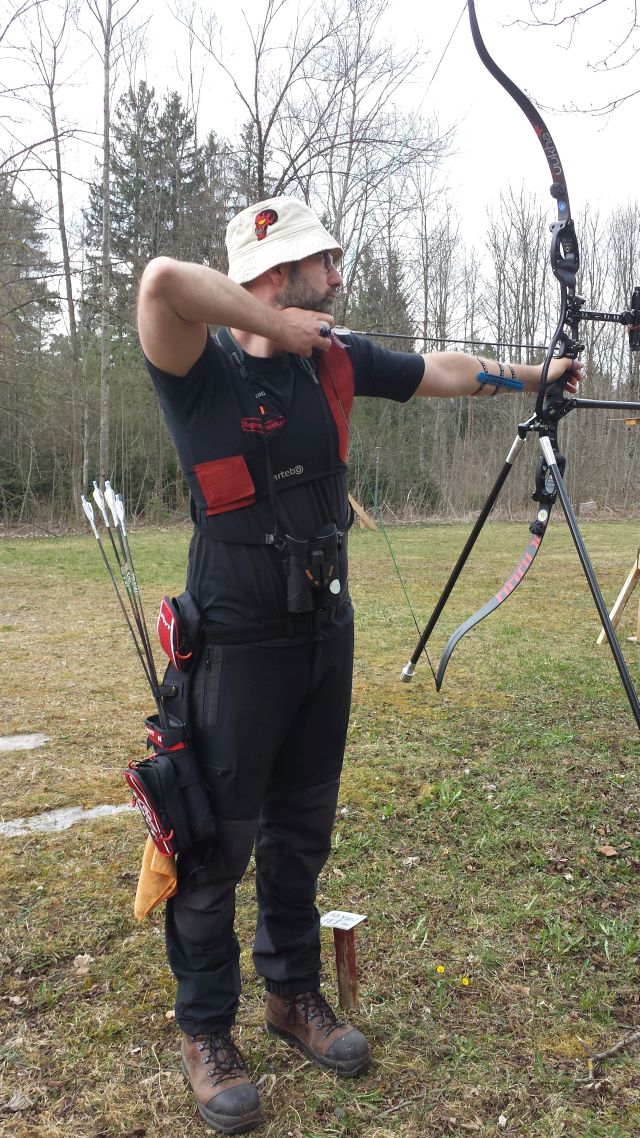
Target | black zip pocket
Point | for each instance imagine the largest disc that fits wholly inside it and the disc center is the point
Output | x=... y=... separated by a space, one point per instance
x=211 y=686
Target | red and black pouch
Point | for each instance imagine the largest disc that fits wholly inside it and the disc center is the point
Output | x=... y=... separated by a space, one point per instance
x=179 y=629
x=169 y=791
x=167 y=786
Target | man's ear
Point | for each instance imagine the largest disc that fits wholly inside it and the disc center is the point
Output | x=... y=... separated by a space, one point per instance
x=278 y=275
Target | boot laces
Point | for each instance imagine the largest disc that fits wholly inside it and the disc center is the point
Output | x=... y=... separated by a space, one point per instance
x=222 y=1055
x=314 y=1007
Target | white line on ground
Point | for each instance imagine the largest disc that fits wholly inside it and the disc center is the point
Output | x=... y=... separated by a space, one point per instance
x=22 y=742
x=55 y=820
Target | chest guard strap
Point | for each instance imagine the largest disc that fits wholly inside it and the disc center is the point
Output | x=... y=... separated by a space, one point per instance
x=335 y=372
x=226 y=484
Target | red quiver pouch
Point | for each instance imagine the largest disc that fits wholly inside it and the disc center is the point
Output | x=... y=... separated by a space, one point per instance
x=170 y=792
x=168 y=787
x=179 y=629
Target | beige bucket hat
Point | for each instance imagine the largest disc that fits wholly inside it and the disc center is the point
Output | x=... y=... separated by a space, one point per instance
x=273 y=232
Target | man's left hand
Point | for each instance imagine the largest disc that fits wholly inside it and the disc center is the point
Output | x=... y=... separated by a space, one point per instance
x=570 y=369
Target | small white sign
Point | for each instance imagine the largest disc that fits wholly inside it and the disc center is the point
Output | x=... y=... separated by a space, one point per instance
x=336 y=919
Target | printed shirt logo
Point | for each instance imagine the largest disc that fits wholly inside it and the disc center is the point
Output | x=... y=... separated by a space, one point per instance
x=288 y=473
x=263 y=426
x=263 y=220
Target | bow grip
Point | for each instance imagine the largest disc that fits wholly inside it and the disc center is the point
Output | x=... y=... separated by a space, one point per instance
x=555 y=390
x=564 y=254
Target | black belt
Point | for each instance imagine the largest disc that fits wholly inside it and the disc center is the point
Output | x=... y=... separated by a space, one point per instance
x=296 y=624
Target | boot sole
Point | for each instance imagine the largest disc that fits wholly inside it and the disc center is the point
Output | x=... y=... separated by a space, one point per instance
x=348 y=1067
x=223 y=1122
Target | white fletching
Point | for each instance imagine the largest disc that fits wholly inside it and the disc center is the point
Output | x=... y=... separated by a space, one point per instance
x=88 y=509
x=111 y=502
x=98 y=498
x=120 y=513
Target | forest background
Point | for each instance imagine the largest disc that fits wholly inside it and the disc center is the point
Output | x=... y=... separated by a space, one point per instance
x=316 y=107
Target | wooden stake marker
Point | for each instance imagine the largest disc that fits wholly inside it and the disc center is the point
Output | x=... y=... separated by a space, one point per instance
x=623 y=597
x=343 y=925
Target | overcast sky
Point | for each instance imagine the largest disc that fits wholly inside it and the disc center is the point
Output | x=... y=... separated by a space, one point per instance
x=495 y=146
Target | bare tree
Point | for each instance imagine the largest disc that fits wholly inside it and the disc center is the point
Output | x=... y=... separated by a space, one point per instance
x=48 y=39
x=14 y=13
x=321 y=116
x=369 y=145
x=515 y=302
x=13 y=148
x=110 y=17
x=623 y=48
x=278 y=66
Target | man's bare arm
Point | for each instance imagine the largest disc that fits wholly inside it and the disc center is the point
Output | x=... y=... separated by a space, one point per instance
x=177 y=300
x=449 y=374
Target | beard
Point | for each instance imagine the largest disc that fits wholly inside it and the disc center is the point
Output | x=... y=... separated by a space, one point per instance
x=298 y=293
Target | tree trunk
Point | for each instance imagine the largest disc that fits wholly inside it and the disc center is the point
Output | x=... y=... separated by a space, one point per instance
x=105 y=306
x=78 y=392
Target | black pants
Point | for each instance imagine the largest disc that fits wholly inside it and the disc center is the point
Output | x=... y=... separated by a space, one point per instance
x=269 y=725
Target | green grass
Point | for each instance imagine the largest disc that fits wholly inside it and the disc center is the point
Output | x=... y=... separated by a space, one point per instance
x=468 y=831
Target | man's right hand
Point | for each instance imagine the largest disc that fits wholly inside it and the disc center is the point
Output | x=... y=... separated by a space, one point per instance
x=177 y=301
x=300 y=331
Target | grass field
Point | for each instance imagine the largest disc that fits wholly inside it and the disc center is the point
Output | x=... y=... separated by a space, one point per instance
x=501 y=948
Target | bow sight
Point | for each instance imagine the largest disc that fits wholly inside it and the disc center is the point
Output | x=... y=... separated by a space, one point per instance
x=629 y=318
x=551 y=406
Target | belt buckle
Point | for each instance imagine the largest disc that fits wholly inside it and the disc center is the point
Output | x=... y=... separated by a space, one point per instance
x=322 y=616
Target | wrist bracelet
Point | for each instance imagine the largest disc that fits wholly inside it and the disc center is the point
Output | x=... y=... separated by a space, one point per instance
x=501 y=381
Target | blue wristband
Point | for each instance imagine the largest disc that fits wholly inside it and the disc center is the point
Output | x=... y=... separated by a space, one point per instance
x=500 y=381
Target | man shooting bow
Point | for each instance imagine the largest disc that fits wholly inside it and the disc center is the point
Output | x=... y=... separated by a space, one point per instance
x=259 y=417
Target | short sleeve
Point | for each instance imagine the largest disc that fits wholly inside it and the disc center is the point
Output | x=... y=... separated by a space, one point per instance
x=382 y=374
x=179 y=395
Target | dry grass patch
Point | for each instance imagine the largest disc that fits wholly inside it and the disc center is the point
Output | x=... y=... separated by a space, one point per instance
x=501 y=946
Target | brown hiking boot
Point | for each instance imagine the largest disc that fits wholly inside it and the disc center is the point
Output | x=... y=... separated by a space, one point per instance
x=308 y=1022
x=226 y=1097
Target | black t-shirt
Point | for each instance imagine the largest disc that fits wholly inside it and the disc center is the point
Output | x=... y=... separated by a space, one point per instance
x=240 y=584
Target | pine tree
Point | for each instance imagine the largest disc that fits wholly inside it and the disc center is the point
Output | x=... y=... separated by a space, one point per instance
x=32 y=396
x=162 y=194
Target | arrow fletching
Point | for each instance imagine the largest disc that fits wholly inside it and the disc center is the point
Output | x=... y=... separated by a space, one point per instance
x=98 y=498
x=110 y=499
x=88 y=509
x=119 y=504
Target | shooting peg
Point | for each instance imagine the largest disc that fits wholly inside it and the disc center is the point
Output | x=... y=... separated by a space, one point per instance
x=343 y=925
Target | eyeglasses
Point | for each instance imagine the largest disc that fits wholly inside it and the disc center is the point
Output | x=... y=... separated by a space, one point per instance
x=328 y=262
